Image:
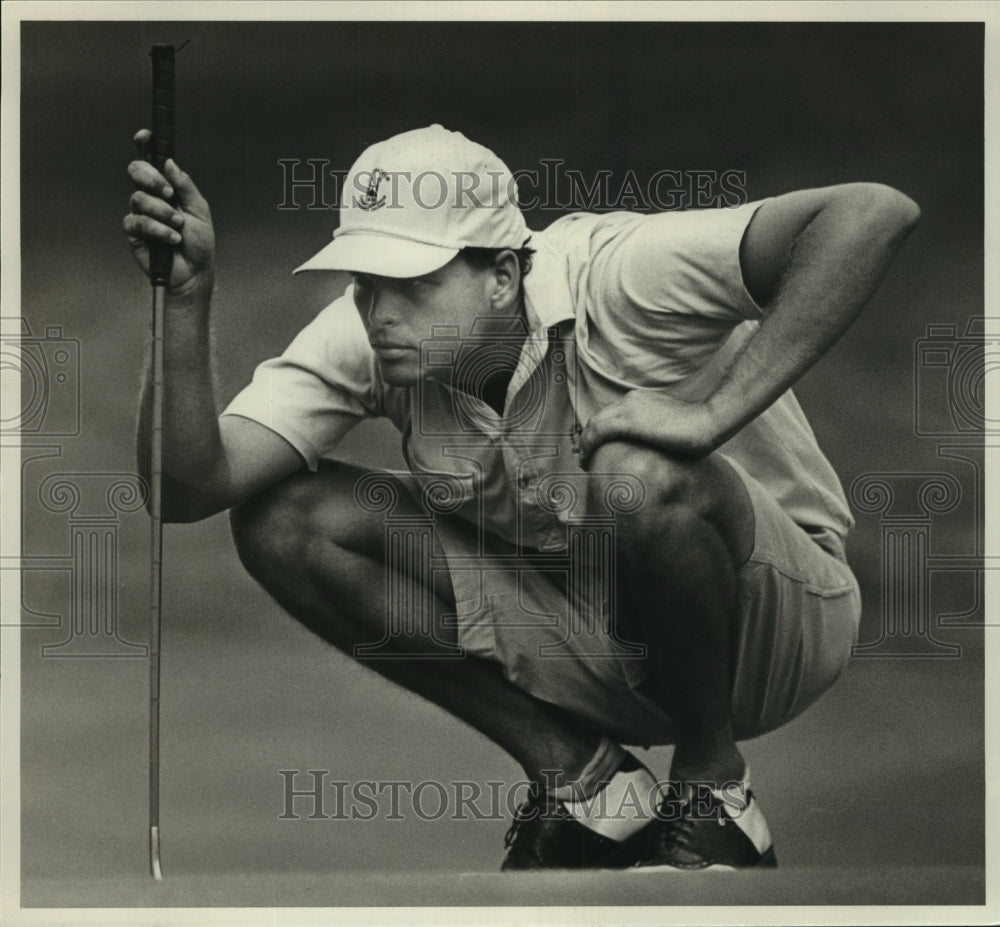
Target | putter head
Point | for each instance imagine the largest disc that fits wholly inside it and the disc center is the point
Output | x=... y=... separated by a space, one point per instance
x=154 y=853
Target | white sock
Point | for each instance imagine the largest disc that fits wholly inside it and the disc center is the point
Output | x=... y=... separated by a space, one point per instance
x=741 y=806
x=625 y=805
x=601 y=767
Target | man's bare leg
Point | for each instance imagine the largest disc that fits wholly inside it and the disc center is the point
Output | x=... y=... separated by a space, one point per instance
x=323 y=559
x=677 y=562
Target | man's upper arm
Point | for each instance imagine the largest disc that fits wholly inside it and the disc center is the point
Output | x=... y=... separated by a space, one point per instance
x=256 y=456
x=767 y=243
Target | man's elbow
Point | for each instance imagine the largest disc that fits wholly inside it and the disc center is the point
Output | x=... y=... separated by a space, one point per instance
x=178 y=515
x=182 y=505
x=901 y=211
x=173 y=512
x=887 y=209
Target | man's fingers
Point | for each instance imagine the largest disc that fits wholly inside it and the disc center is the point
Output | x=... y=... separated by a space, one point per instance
x=139 y=228
x=148 y=178
x=188 y=195
x=614 y=422
x=142 y=138
x=600 y=429
x=145 y=205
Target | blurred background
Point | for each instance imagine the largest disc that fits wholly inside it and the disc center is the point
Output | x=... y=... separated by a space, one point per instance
x=884 y=775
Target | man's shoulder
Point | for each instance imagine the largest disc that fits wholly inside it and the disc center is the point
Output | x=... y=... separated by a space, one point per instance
x=617 y=218
x=334 y=346
x=586 y=234
x=572 y=243
x=336 y=330
x=576 y=227
x=573 y=254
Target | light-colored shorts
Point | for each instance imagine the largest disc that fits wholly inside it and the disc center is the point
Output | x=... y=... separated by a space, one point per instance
x=799 y=610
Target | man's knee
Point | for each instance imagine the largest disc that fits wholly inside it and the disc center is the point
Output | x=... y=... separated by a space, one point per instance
x=677 y=493
x=661 y=480
x=270 y=529
x=283 y=526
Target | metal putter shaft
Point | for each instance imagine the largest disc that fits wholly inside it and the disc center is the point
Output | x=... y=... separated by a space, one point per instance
x=161 y=261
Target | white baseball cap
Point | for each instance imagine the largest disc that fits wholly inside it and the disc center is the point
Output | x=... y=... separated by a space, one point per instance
x=412 y=202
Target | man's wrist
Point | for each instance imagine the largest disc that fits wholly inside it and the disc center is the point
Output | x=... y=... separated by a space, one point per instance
x=721 y=418
x=191 y=295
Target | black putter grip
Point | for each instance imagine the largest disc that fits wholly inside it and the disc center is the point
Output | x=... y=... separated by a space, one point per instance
x=161 y=255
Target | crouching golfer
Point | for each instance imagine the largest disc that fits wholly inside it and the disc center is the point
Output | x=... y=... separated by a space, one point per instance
x=636 y=539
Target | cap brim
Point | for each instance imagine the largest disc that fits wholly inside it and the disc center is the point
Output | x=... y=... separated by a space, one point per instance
x=380 y=255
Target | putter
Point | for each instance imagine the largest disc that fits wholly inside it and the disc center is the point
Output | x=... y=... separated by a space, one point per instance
x=161 y=259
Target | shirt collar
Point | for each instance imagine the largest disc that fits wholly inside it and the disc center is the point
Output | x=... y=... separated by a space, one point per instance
x=547 y=296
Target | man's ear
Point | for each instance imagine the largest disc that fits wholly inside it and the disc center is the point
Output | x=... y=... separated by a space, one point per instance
x=506 y=280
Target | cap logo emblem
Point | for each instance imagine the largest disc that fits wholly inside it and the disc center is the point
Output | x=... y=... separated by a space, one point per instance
x=371 y=200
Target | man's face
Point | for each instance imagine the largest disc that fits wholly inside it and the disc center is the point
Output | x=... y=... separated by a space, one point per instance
x=401 y=313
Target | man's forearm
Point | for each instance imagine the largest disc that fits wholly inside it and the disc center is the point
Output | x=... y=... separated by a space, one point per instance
x=192 y=447
x=834 y=268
